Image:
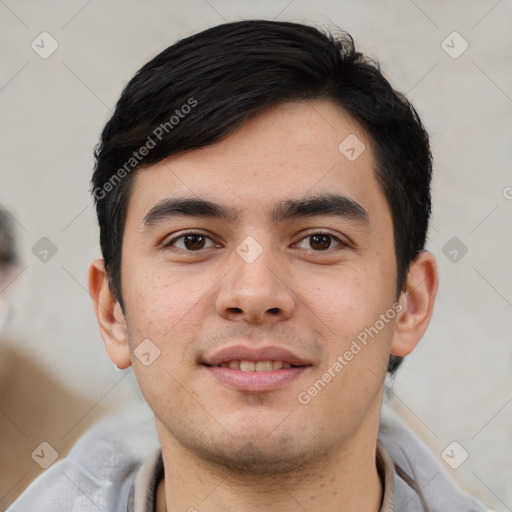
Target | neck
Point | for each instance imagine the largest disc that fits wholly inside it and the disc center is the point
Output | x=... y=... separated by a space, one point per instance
x=346 y=479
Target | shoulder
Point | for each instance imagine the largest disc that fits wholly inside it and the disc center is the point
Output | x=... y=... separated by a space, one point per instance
x=98 y=472
x=416 y=468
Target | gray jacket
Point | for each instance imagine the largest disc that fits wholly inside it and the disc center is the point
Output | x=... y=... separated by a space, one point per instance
x=103 y=471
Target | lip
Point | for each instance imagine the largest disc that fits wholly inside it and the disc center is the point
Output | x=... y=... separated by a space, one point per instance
x=244 y=353
x=255 y=381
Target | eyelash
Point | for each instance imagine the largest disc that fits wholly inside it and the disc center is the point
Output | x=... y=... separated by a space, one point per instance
x=340 y=242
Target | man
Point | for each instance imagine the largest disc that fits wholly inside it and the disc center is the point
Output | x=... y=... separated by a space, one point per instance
x=263 y=196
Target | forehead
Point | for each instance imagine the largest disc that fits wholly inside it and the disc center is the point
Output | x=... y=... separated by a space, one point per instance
x=288 y=151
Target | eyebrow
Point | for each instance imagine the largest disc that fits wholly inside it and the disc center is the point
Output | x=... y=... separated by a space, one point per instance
x=334 y=205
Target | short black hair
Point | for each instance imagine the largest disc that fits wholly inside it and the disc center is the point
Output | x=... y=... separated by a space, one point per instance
x=205 y=86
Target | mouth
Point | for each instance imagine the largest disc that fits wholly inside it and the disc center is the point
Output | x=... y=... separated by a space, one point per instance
x=256 y=366
x=255 y=370
x=255 y=380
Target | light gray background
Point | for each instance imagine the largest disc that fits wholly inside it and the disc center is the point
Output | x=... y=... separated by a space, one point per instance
x=457 y=386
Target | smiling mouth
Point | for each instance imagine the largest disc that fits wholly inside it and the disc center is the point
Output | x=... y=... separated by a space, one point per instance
x=256 y=376
x=255 y=366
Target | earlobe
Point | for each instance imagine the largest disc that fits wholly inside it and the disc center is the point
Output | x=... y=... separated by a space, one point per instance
x=417 y=304
x=109 y=315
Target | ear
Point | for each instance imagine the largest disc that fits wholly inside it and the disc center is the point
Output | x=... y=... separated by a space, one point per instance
x=109 y=315
x=417 y=303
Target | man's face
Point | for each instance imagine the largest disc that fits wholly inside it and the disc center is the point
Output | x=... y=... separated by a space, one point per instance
x=258 y=287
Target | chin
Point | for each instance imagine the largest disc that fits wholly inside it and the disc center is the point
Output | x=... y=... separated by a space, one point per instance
x=252 y=459
x=260 y=453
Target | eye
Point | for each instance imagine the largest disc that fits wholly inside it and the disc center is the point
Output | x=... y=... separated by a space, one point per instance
x=322 y=241
x=191 y=242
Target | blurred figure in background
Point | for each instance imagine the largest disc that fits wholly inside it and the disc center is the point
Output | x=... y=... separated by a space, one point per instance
x=34 y=407
x=7 y=263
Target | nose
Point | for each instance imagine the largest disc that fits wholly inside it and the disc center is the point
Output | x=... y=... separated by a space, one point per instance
x=255 y=291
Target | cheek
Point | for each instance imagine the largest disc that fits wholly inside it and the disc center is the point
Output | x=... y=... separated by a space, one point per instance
x=168 y=308
x=347 y=304
x=169 y=313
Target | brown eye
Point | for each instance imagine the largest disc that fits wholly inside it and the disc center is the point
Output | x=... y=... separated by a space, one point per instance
x=191 y=242
x=321 y=241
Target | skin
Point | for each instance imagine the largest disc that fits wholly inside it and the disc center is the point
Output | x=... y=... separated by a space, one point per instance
x=226 y=449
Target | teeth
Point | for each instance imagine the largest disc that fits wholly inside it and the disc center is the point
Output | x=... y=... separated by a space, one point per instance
x=259 y=366
x=263 y=366
x=247 y=366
